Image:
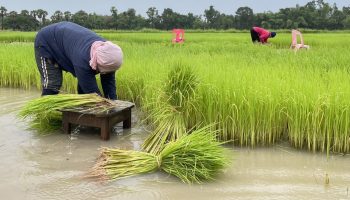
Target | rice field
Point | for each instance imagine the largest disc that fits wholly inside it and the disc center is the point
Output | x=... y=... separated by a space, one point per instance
x=255 y=95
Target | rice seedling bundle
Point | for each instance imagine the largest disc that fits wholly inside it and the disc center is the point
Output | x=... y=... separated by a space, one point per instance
x=193 y=158
x=171 y=109
x=45 y=114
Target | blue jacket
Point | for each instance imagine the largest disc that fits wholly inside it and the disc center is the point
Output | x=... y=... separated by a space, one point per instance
x=68 y=44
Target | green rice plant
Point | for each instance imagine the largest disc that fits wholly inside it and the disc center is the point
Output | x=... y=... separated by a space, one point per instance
x=131 y=88
x=193 y=158
x=45 y=114
x=254 y=94
x=181 y=86
x=169 y=125
x=16 y=36
x=171 y=109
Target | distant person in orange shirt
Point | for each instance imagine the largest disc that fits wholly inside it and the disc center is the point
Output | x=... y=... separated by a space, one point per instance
x=261 y=35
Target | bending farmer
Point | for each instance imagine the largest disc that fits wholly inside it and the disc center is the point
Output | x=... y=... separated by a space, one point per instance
x=261 y=35
x=75 y=49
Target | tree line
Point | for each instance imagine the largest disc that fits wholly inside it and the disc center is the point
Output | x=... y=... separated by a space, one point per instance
x=315 y=14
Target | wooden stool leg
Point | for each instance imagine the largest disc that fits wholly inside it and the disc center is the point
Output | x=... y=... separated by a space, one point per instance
x=66 y=125
x=127 y=122
x=105 y=129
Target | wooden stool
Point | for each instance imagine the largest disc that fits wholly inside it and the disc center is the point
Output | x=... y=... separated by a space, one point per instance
x=105 y=120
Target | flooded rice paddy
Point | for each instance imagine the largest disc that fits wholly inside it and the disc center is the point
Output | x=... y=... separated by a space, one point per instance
x=51 y=167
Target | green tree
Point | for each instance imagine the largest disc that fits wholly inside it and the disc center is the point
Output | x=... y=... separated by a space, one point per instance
x=57 y=16
x=244 y=18
x=23 y=21
x=24 y=12
x=67 y=16
x=42 y=15
x=114 y=12
x=153 y=17
x=211 y=15
x=3 y=11
x=346 y=11
x=225 y=21
x=198 y=23
x=129 y=20
x=168 y=18
x=34 y=13
x=302 y=22
x=81 y=18
x=191 y=20
x=97 y=21
x=12 y=20
x=346 y=22
x=336 y=19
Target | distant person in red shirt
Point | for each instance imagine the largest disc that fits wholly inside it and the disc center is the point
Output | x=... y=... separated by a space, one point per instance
x=261 y=35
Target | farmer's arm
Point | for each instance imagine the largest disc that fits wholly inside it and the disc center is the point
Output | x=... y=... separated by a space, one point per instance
x=87 y=81
x=108 y=85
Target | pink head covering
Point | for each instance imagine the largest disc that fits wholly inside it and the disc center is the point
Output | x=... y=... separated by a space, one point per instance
x=105 y=56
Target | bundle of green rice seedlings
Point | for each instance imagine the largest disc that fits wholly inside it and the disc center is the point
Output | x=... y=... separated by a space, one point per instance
x=169 y=126
x=181 y=86
x=169 y=111
x=193 y=158
x=45 y=115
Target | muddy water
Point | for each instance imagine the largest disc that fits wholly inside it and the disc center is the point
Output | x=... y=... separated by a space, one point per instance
x=50 y=167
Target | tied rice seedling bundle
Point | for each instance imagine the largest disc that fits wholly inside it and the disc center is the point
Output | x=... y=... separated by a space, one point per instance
x=171 y=109
x=181 y=86
x=169 y=126
x=45 y=115
x=193 y=158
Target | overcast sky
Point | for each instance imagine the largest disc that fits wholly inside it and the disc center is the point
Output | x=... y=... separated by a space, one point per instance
x=182 y=6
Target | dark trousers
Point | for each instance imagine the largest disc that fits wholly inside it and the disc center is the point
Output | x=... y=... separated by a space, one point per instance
x=50 y=73
x=254 y=35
